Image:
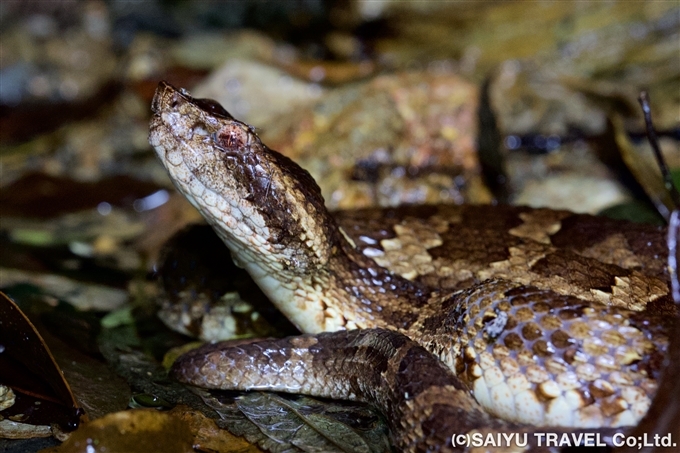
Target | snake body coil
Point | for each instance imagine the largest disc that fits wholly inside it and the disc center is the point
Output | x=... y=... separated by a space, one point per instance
x=552 y=319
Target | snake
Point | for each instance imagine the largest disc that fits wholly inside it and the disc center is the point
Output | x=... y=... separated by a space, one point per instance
x=449 y=319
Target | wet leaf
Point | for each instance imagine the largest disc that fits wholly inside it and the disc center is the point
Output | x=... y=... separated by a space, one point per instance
x=71 y=338
x=38 y=195
x=641 y=164
x=634 y=211
x=121 y=349
x=7 y=397
x=210 y=437
x=27 y=445
x=43 y=266
x=43 y=397
x=14 y=430
x=97 y=388
x=121 y=346
x=84 y=296
x=119 y=317
x=280 y=423
x=86 y=233
x=132 y=431
x=19 y=124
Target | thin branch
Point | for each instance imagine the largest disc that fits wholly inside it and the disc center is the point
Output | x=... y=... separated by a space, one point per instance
x=654 y=142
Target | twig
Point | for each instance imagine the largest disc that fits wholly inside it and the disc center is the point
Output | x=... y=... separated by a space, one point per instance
x=654 y=142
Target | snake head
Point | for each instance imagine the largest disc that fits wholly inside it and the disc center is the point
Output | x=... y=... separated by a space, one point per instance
x=267 y=209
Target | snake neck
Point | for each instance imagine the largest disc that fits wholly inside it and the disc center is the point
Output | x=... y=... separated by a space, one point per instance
x=348 y=291
x=375 y=296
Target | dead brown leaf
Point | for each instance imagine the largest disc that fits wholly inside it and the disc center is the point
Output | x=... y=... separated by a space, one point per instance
x=132 y=431
x=43 y=397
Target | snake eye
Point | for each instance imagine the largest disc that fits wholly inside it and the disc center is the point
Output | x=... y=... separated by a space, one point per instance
x=213 y=107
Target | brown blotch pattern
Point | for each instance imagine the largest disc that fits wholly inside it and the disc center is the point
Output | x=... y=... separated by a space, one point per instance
x=572 y=345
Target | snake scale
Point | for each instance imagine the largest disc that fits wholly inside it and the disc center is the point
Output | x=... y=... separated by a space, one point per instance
x=549 y=318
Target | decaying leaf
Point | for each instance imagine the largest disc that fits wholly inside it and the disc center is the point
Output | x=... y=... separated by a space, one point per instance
x=14 y=430
x=84 y=296
x=39 y=195
x=280 y=423
x=209 y=437
x=97 y=388
x=132 y=431
x=42 y=395
x=643 y=167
